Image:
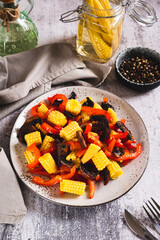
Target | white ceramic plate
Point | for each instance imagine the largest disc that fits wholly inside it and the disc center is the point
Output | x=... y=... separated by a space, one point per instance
x=103 y=194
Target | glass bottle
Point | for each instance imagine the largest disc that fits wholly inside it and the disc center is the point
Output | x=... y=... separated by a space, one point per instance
x=100 y=25
x=19 y=33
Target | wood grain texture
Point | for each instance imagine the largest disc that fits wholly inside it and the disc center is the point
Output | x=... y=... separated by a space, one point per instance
x=47 y=221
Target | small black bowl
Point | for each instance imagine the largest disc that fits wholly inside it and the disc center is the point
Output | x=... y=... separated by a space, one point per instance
x=137 y=52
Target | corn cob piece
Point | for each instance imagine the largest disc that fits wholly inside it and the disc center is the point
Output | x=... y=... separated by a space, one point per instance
x=73 y=106
x=96 y=105
x=48 y=163
x=29 y=156
x=38 y=126
x=91 y=151
x=113 y=115
x=102 y=13
x=46 y=142
x=71 y=186
x=85 y=116
x=43 y=108
x=69 y=132
x=103 y=50
x=100 y=160
x=114 y=169
x=72 y=156
x=34 y=137
x=57 y=118
x=105 y=4
x=115 y=42
x=108 y=38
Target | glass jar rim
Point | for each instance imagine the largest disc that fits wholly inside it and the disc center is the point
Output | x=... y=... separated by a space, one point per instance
x=115 y=10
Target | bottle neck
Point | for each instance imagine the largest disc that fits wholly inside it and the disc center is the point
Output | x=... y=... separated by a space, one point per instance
x=12 y=5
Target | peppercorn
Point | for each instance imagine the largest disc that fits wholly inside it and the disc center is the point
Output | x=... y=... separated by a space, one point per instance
x=140 y=70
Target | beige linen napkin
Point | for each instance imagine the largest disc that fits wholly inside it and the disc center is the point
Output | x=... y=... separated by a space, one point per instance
x=25 y=76
x=12 y=207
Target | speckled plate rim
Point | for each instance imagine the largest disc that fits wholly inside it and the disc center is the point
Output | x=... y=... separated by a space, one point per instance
x=103 y=194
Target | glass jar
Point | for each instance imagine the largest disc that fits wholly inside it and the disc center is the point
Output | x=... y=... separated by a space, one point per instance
x=17 y=31
x=100 y=25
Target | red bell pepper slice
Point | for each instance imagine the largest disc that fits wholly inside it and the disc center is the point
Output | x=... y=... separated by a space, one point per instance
x=127 y=155
x=130 y=144
x=91 y=138
x=39 y=168
x=92 y=111
x=70 y=174
x=54 y=180
x=36 y=153
x=81 y=152
x=88 y=128
x=51 y=149
x=91 y=187
x=35 y=112
x=62 y=106
x=111 y=145
x=51 y=182
x=50 y=129
x=119 y=135
x=74 y=145
x=123 y=120
x=105 y=99
x=48 y=112
x=119 y=143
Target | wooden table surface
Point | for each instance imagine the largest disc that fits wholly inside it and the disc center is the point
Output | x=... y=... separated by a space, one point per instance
x=48 y=221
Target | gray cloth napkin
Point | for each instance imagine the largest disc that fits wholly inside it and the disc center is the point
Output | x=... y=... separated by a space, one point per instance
x=25 y=76
x=12 y=207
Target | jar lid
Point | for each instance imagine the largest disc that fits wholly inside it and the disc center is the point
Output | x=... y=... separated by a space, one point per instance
x=141 y=12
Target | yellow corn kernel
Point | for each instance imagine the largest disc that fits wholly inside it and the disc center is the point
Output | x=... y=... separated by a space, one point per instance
x=85 y=116
x=48 y=163
x=38 y=126
x=113 y=115
x=43 y=108
x=103 y=50
x=71 y=186
x=100 y=160
x=91 y=151
x=69 y=132
x=34 y=137
x=96 y=105
x=57 y=118
x=72 y=156
x=114 y=169
x=73 y=106
x=46 y=142
x=29 y=156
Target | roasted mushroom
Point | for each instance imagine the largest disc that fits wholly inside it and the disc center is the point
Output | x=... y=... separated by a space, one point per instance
x=118 y=151
x=73 y=95
x=28 y=127
x=106 y=105
x=88 y=103
x=69 y=115
x=62 y=152
x=103 y=125
x=81 y=139
x=86 y=171
x=105 y=175
x=123 y=128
